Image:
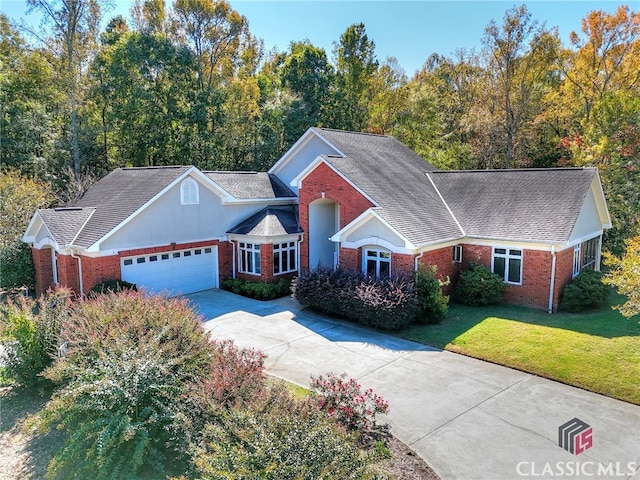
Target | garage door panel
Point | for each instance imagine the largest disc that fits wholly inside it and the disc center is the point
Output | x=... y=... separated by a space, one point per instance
x=173 y=272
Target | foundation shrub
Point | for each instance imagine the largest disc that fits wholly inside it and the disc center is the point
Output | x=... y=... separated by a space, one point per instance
x=479 y=286
x=383 y=303
x=433 y=305
x=585 y=292
x=112 y=286
x=258 y=290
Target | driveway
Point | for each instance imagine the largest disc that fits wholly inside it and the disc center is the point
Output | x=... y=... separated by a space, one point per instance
x=467 y=418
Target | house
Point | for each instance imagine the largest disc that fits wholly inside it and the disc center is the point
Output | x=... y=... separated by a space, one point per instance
x=335 y=198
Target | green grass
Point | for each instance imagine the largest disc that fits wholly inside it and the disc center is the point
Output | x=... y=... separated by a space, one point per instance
x=597 y=351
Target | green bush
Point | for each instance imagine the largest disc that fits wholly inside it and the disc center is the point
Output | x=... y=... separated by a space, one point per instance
x=585 y=292
x=258 y=290
x=16 y=267
x=29 y=334
x=433 y=305
x=130 y=362
x=278 y=437
x=112 y=286
x=479 y=286
x=383 y=303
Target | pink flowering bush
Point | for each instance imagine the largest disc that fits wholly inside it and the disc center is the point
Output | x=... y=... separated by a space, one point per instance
x=346 y=401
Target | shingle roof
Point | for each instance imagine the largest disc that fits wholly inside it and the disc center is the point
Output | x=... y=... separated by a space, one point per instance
x=251 y=185
x=270 y=221
x=395 y=178
x=524 y=204
x=118 y=195
x=65 y=223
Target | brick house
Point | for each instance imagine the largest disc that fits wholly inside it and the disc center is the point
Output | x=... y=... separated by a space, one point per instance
x=354 y=200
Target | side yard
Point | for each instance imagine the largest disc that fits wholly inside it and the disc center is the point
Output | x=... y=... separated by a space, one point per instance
x=598 y=351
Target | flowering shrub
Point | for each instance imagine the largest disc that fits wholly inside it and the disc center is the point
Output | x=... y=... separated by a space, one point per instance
x=278 y=437
x=347 y=403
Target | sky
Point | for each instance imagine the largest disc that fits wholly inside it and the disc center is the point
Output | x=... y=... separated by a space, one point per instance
x=408 y=30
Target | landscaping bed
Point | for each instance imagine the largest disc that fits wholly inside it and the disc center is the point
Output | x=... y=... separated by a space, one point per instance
x=598 y=351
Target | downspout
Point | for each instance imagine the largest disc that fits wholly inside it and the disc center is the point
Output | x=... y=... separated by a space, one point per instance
x=418 y=257
x=298 y=255
x=77 y=257
x=553 y=278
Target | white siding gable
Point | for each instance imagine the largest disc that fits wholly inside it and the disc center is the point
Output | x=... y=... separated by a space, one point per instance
x=588 y=224
x=167 y=220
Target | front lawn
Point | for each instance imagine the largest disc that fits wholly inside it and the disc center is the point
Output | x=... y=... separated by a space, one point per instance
x=597 y=351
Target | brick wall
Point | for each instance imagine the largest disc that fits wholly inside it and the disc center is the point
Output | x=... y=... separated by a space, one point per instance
x=99 y=269
x=43 y=269
x=442 y=258
x=351 y=259
x=68 y=274
x=564 y=274
x=402 y=264
x=351 y=202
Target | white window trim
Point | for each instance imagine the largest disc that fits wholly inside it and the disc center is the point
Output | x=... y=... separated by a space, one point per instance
x=285 y=248
x=378 y=258
x=244 y=250
x=507 y=256
x=457 y=254
x=577 y=259
x=189 y=192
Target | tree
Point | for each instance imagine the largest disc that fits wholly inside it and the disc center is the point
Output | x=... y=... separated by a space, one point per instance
x=520 y=56
x=29 y=102
x=74 y=29
x=607 y=57
x=388 y=97
x=19 y=198
x=355 y=65
x=625 y=276
x=150 y=108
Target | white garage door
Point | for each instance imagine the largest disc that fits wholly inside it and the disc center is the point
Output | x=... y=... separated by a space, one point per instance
x=175 y=272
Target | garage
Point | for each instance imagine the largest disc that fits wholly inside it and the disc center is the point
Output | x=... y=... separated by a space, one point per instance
x=173 y=272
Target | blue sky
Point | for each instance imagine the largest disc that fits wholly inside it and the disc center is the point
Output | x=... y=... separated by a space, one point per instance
x=407 y=30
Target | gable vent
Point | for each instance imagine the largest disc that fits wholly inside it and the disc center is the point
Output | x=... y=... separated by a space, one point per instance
x=189 y=192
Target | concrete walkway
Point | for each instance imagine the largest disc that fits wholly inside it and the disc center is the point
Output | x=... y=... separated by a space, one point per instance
x=467 y=418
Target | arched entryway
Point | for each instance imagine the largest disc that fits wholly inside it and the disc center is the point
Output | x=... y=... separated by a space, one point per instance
x=324 y=221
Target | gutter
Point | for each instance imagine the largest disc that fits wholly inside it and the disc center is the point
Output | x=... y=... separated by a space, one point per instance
x=553 y=278
x=418 y=257
x=233 y=258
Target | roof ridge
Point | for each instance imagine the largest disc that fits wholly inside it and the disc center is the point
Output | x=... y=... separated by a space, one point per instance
x=232 y=171
x=354 y=132
x=158 y=167
x=529 y=169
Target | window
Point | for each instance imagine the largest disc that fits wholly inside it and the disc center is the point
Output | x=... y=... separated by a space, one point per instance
x=128 y=261
x=176 y=255
x=377 y=263
x=508 y=264
x=585 y=255
x=189 y=192
x=457 y=254
x=165 y=256
x=140 y=260
x=284 y=257
x=187 y=253
x=153 y=258
x=249 y=258
x=590 y=250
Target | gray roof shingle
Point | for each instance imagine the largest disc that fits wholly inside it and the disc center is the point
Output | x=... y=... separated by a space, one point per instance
x=118 y=195
x=65 y=223
x=522 y=205
x=395 y=178
x=251 y=185
x=270 y=221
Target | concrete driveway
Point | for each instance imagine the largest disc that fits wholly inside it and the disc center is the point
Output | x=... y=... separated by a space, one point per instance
x=467 y=418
